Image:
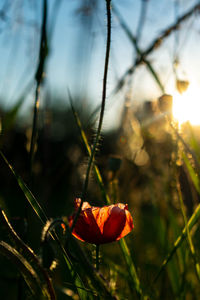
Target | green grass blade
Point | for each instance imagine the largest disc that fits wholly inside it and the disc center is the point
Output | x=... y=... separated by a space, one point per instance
x=24 y=267
x=174 y=276
x=135 y=44
x=192 y=221
x=155 y=75
x=176 y=264
x=43 y=218
x=163 y=230
x=173 y=224
x=185 y=145
x=81 y=263
x=189 y=237
x=134 y=279
x=96 y=279
x=74 y=271
x=131 y=268
x=85 y=141
x=193 y=175
x=29 y=196
x=30 y=256
x=193 y=141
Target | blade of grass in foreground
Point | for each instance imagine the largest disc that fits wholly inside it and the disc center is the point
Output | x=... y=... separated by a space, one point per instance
x=43 y=218
x=96 y=280
x=46 y=283
x=29 y=274
x=193 y=175
x=163 y=227
x=176 y=230
x=131 y=268
x=85 y=141
x=175 y=264
x=191 y=246
x=82 y=263
x=192 y=221
x=134 y=282
x=29 y=196
x=193 y=141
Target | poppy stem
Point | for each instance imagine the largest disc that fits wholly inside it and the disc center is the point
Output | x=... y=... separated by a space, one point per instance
x=97 y=257
x=103 y=102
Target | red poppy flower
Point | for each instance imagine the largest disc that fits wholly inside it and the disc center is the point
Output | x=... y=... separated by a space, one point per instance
x=100 y=225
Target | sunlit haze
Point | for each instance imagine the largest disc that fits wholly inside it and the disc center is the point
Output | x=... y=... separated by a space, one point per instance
x=186 y=106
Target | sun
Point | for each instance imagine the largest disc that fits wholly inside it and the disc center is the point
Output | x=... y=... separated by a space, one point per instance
x=186 y=106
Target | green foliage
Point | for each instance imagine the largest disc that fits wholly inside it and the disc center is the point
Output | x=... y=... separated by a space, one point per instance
x=149 y=165
x=24 y=267
x=157 y=226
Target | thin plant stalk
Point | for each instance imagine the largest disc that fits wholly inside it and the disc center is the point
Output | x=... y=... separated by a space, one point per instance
x=105 y=197
x=179 y=137
x=103 y=102
x=29 y=252
x=39 y=79
x=140 y=55
x=133 y=273
x=134 y=283
x=96 y=278
x=154 y=45
x=191 y=246
x=142 y=18
x=190 y=224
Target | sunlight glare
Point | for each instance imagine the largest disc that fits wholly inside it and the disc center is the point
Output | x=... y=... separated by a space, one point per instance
x=186 y=106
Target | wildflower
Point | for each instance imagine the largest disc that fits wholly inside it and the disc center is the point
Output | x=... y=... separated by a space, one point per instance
x=100 y=225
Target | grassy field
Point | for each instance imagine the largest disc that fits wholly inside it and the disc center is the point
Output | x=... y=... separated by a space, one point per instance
x=149 y=162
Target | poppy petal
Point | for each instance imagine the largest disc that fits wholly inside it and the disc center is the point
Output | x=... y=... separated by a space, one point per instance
x=86 y=228
x=128 y=225
x=114 y=224
x=102 y=225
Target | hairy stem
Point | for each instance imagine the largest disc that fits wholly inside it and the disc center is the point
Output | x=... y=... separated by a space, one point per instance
x=103 y=101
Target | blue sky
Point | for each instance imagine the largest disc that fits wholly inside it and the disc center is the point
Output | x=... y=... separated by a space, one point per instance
x=76 y=59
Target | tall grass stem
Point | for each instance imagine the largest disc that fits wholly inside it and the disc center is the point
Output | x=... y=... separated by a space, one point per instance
x=39 y=79
x=103 y=102
x=191 y=246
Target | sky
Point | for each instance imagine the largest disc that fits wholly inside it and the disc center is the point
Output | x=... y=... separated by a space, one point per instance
x=77 y=51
